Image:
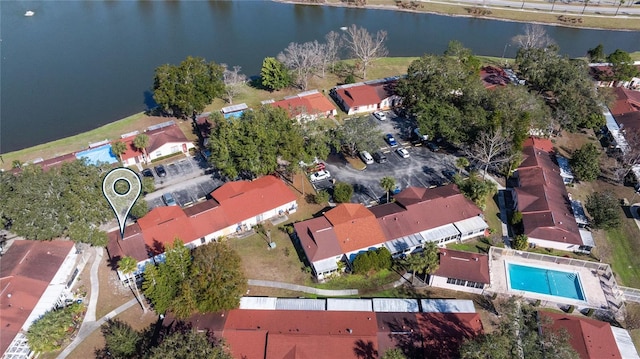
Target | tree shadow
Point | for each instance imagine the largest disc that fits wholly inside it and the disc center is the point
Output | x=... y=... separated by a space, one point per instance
x=365 y=350
x=149 y=102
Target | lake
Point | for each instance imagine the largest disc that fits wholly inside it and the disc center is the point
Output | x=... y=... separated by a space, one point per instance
x=76 y=65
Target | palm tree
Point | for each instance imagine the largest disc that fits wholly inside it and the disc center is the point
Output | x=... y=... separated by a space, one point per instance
x=426 y=262
x=141 y=142
x=128 y=266
x=387 y=183
x=619 y=4
x=118 y=148
x=462 y=163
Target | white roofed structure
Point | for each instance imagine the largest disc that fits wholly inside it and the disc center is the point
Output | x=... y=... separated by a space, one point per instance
x=447 y=306
x=395 y=305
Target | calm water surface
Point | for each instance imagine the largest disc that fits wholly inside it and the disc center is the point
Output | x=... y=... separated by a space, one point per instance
x=77 y=65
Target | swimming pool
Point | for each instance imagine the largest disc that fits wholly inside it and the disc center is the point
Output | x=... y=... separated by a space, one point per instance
x=545 y=281
x=102 y=154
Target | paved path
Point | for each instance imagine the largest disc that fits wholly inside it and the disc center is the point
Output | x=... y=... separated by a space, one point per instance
x=95 y=287
x=556 y=7
x=301 y=288
x=89 y=327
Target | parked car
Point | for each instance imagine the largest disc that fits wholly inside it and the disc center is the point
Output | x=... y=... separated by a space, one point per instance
x=449 y=174
x=433 y=147
x=168 y=199
x=160 y=171
x=147 y=173
x=320 y=175
x=417 y=136
x=317 y=167
x=366 y=157
x=381 y=116
x=402 y=152
x=379 y=157
x=390 y=140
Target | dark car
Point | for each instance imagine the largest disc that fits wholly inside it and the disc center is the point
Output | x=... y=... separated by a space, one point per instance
x=433 y=147
x=160 y=170
x=168 y=199
x=379 y=157
x=147 y=173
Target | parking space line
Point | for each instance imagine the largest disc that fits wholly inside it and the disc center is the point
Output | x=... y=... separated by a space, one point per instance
x=422 y=183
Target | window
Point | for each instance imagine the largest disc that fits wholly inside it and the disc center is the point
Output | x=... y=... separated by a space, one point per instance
x=203 y=240
x=175 y=149
x=158 y=154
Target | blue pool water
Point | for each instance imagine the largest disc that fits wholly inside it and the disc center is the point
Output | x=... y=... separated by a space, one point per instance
x=545 y=281
x=97 y=155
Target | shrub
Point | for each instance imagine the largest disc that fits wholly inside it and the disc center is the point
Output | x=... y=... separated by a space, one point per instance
x=590 y=312
x=604 y=210
x=571 y=309
x=372 y=260
x=342 y=192
x=537 y=303
x=349 y=79
x=520 y=242
x=516 y=218
x=321 y=197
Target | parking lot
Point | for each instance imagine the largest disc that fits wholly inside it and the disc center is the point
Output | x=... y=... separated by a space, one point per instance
x=423 y=168
x=179 y=170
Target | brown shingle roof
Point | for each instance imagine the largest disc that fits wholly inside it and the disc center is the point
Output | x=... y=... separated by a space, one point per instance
x=464 y=265
x=318 y=239
x=25 y=273
x=543 y=199
x=164 y=135
x=592 y=339
x=366 y=94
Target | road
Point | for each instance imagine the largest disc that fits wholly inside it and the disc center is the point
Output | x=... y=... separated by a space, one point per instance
x=592 y=9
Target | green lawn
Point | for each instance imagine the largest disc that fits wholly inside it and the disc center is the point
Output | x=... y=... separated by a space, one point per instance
x=626 y=254
x=361 y=282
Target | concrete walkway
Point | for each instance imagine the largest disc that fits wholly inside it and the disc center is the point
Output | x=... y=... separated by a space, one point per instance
x=503 y=210
x=95 y=287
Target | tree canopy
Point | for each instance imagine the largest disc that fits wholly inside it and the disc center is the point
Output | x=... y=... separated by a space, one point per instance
x=184 y=90
x=274 y=75
x=357 y=134
x=585 y=162
x=188 y=344
x=604 y=209
x=61 y=202
x=342 y=192
x=259 y=139
x=622 y=65
x=48 y=333
x=162 y=281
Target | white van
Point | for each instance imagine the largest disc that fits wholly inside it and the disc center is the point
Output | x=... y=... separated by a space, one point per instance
x=366 y=157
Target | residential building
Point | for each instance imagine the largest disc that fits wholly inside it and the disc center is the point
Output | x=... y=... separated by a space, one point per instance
x=363 y=97
x=35 y=277
x=543 y=200
x=164 y=139
x=602 y=74
x=306 y=106
x=591 y=339
x=418 y=215
x=493 y=77
x=461 y=271
x=235 y=207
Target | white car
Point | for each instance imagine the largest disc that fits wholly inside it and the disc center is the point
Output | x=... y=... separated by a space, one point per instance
x=320 y=175
x=366 y=157
x=380 y=115
x=402 y=152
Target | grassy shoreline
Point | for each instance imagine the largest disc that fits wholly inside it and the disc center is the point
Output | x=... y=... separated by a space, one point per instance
x=450 y=8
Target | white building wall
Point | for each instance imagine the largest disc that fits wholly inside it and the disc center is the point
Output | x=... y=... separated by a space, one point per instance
x=555 y=245
x=363 y=109
x=170 y=148
x=441 y=282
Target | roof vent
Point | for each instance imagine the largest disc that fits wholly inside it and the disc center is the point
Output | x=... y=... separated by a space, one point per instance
x=349 y=330
x=444 y=253
x=475 y=259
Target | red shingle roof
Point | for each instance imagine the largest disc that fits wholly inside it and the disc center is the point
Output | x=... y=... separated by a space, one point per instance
x=26 y=270
x=355 y=226
x=493 y=77
x=366 y=94
x=464 y=265
x=543 y=199
x=311 y=104
x=131 y=150
x=592 y=339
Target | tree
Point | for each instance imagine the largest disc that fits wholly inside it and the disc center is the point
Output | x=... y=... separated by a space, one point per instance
x=378 y=259
x=217 y=278
x=139 y=209
x=332 y=47
x=519 y=334
x=304 y=59
x=596 y=54
x=274 y=75
x=357 y=134
x=490 y=149
x=321 y=197
x=186 y=89
x=121 y=341
x=118 y=148
x=364 y=47
x=128 y=266
x=425 y=262
x=141 y=142
x=604 y=210
x=520 y=242
x=189 y=344
x=620 y=2
x=50 y=331
x=387 y=183
x=393 y=353
x=462 y=163
x=622 y=66
x=535 y=36
x=162 y=281
x=477 y=190
x=233 y=81
x=585 y=162
x=342 y=192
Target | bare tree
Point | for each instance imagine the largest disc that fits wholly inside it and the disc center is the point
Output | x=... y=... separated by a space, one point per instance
x=491 y=149
x=332 y=47
x=535 y=36
x=629 y=156
x=233 y=80
x=364 y=47
x=305 y=59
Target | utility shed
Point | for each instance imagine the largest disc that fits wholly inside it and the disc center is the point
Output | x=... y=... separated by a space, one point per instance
x=395 y=305
x=349 y=305
x=447 y=306
x=300 y=304
x=264 y=303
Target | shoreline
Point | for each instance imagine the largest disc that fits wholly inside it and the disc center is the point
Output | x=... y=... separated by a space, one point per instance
x=462 y=6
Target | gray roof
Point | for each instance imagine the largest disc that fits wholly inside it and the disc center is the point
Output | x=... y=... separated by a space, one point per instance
x=300 y=304
x=434 y=234
x=565 y=169
x=351 y=305
x=472 y=224
x=266 y=303
x=395 y=305
x=624 y=342
x=578 y=212
x=447 y=306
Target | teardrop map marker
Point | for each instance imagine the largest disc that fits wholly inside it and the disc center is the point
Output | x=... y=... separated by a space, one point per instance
x=122 y=197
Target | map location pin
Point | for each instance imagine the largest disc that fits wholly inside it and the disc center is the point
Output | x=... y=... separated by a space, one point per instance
x=122 y=198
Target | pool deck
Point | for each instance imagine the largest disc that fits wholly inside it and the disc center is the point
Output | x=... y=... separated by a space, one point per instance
x=599 y=288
